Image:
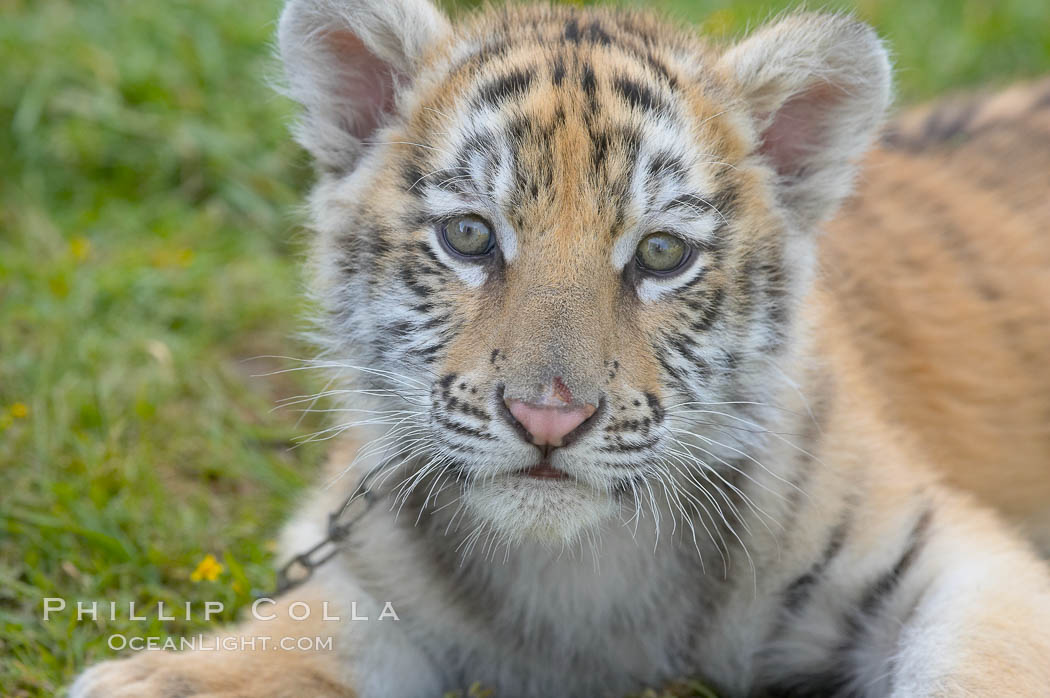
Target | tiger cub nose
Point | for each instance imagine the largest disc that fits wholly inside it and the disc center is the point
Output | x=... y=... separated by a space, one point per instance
x=548 y=422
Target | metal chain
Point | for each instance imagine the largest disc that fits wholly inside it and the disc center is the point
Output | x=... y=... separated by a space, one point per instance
x=300 y=568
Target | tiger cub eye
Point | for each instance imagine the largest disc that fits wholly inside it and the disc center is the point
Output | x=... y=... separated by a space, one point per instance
x=470 y=236
x=661 y=252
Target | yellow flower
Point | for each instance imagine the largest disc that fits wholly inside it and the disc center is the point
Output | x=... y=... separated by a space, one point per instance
x=19 y=410
x=209 y=568
x=80 y=247
x=476 y=690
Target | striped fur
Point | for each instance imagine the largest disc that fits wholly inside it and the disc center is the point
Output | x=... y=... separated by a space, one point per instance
x=757 y=500
x=958 y=340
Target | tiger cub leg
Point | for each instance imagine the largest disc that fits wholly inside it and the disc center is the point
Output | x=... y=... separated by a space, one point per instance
x=982 y=624
x=939 y=600
x=249 y=661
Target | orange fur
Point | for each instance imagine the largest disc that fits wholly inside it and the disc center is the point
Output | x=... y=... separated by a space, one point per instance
x=939 y=271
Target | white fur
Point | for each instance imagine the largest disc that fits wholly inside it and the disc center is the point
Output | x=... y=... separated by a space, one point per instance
x=344 y=59
x=824 y=83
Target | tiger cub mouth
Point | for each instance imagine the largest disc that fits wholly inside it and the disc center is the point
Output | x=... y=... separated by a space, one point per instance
x=543 y=471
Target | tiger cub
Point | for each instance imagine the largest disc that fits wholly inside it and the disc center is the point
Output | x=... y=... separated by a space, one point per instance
x=627 y=416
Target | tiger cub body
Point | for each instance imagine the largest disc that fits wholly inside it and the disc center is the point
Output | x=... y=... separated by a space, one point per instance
x=940 y=271
x=632 y=417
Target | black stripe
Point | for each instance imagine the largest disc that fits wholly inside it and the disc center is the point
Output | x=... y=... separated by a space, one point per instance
x=797 y=593
x=471 y=410
x=589 y=85
x=885 y=585
x=513 y=84
x=674 y=373
x=725 y=202
x=429 y=350
x=691 y=202
x=684 y=344
x=667 y=165
x=436 y=321
x=655 y=406
x=661 y=70
x=456 y=179
x=951 y=122
x=558 y=71
x=710 y=307
x=424 y=248
x=621 y=447
x=600 y=148
x=380 y=242
x=947 y=122
x=597 y=34
x=572 y=31
x=412 y=176
x=411 y=282
x=638 y=95
x=462 y=428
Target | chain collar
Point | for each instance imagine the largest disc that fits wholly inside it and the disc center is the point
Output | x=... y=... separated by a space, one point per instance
x=300 y=568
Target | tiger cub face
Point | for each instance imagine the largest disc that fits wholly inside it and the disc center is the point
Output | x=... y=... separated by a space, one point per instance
x=565 y=246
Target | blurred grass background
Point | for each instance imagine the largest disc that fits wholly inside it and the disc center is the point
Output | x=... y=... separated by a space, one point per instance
x=148 y=234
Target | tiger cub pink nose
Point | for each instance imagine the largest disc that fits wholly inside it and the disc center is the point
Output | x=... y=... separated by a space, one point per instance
x=548 y=424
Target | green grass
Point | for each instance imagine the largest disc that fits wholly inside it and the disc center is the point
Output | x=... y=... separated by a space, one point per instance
x=148 y=246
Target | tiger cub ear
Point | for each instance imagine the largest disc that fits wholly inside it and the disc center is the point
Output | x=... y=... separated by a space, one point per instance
x=817 y=87
x=345 y=61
